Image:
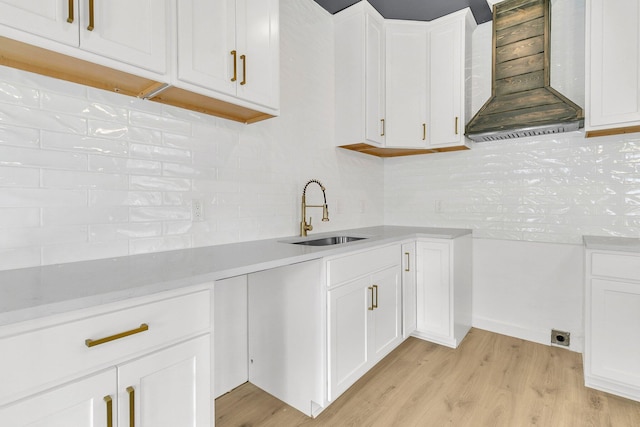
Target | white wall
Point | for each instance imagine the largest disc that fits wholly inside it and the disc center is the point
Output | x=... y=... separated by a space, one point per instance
x=88 y=174
x=528 y=201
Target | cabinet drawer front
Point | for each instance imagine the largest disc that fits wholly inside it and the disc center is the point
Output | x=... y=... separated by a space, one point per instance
x=616 y=265
x=45 y=356
x=353 y=266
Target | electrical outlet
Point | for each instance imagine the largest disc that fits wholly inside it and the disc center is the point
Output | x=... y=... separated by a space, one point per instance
x=197 y=213
x=560 y=338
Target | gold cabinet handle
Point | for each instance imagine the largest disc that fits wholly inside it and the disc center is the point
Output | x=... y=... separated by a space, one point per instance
x=109 y=403
x=375 y=287
x=372 y=306
x=424 y=131
x=244 y=69
x=408 y=258
x=91 y=23
x=457 y=125
x=235 y=66
x=382 y=120
x=71 y=13
x=92 y=343
x=132 y=406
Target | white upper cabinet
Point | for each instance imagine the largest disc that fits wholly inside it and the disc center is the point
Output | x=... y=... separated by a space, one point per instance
x=612 y=66
x=401 y=84
x=406 y=79
x=449 y=39
x=54 y=19
x=129 y=31
x=230 y=47
x=359 y=72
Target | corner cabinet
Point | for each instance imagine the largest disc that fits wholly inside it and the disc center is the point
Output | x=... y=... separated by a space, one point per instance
x=145 y=362
x=612 y=67
x=401 y=86
x=364 y=313
x=612 y=318
x=443 y=289
x=359 y=75
x=230 y=47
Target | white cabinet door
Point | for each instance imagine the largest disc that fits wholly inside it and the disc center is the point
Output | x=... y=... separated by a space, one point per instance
x=406 y=89
x=359 y=75
x=445 y=84
x=258 y=45
x=374 y=80
x=613 y=63
x=206 y=40
x=409 y=313
x=349 y=307
x=231 y=47
x=168 y=388
x=89 y=402
x=46 y=18
x=614 y=352
x=385 y=330
x=434 y=288
x=131 y=31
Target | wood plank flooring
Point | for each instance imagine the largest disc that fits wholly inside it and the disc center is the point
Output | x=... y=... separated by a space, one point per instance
x=490 y=380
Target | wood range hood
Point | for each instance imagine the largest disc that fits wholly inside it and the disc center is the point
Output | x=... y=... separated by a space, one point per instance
x=522 y=101
x=38 y=60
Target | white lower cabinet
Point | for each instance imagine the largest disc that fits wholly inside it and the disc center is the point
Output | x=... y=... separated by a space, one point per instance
x=88 y=369
x=443 y=289
x=365 y=313
x=612 y=319
x=87 y=402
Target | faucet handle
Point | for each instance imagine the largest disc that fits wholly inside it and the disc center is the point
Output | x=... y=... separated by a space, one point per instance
x=309 y=227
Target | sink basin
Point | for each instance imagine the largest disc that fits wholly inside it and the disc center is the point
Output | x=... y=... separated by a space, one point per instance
x=326 y=241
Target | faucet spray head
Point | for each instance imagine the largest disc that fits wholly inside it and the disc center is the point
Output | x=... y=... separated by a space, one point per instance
x=325 y=212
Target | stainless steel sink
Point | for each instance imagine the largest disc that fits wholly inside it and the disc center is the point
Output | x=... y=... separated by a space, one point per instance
x=326 y=241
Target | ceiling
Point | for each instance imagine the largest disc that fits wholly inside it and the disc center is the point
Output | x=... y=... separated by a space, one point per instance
x=416 y=10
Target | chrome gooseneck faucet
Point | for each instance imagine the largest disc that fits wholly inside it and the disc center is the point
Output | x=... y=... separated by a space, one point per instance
x=304 y=227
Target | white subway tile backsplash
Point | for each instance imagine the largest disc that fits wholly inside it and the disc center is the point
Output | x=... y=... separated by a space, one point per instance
x=38 y=236
x=12 y=93
x=140 y=182
x=19 y=217
x=19 y=177
x=40 y=197
x=110 y=198
x=84 y=144
x=21 y=137
x=126 y=230
x=155 y=152
x=75 y=179
x=28 y=157
x=84 y=215
x=109 y=164
x=159 y=213
x=154 y=121
x=123 y=131
x=82 y=106
x=24 y=117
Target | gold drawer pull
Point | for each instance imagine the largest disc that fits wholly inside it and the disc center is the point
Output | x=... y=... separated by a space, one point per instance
x=244 y=69
x=91 y=16
x=407 y=268
x=235 y=65
x=71 y=13
x=132 y=406
x=376 y=289
x=92 y=343
x=424 y=131
x=109 y=403
x=457 y=125
x=372 y=306
x=382 y=120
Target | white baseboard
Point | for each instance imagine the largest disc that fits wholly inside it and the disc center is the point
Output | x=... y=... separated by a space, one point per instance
x=540 y=336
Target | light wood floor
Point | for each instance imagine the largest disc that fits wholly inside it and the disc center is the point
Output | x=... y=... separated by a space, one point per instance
x=490 y=380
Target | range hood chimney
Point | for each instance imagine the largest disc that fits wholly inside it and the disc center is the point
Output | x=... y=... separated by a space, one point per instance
x=522 y=101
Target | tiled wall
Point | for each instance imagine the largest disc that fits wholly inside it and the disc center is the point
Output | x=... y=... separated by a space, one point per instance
x=545 y=189
x=87 y=174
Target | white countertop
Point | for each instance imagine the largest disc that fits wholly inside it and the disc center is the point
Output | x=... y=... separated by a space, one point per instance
x=30 y=293
x=607 y=243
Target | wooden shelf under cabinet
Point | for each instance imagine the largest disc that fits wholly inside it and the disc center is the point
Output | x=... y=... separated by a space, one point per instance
x=35 y=59
x=397 y=152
